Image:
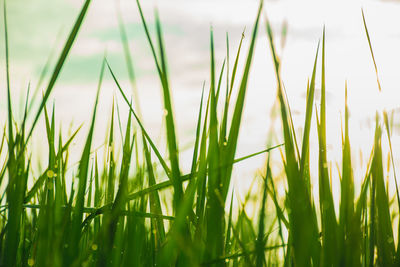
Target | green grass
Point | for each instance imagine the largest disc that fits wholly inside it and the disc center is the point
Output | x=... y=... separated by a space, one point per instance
x=138 y=207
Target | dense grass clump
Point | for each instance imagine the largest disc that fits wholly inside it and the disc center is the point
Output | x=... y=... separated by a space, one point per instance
x=115 y=213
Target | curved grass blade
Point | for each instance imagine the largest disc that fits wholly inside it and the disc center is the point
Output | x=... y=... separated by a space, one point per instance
x=387 y=126
x=169 y=119
x=9 y=110
x=202 y=178
x=153 y=51
x=384 y=231
x=220 y=79
x=346 y=211
x=370 y=49
x=330 y=242
x=228 y=242
x=307 y=124
x=151 y=143
x=235 y=66
x=241 y=254
x=128 y=60
x=110 y=161
x=237 y=115
x=82 y=175
x=110 y=230
x=17 y=174
x=155 y=204
x=60 y=63
x=214 y=206
x=260 y=241
x=198 y=137
x=303 y=230
x=166 y=184
x=174 y=174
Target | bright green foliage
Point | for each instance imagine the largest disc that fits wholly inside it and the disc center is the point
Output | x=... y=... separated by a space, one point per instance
x=137 y=207
x=303 y=228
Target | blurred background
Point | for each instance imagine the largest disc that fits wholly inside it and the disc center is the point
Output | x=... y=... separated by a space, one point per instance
x=39 y=28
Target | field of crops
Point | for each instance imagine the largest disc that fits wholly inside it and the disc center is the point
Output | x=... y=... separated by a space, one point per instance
x=131 y=204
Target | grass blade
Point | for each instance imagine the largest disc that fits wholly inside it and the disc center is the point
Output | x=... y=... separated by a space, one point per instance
x=60 y=63
x=370 y=49
x=169 y=119
x=304 y=234
x=237 y=115
x=83 y=175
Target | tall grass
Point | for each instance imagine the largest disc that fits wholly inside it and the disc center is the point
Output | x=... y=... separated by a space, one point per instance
x=113 y=213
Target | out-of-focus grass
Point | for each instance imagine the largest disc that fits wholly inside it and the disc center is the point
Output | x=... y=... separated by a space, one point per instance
x=115 y=212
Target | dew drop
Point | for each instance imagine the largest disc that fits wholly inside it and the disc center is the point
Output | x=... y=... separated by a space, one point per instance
x=50 y=174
